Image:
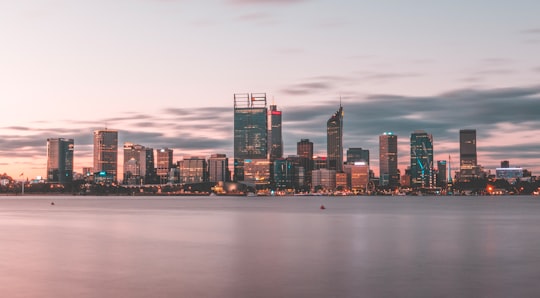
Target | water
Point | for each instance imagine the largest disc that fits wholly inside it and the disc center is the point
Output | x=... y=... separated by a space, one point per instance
x=270 y=247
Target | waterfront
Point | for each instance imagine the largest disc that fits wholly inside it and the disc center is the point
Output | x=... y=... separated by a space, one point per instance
x=270 y=247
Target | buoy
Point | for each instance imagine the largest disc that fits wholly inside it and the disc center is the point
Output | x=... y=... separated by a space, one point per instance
x=52 y=203
x=322 y=207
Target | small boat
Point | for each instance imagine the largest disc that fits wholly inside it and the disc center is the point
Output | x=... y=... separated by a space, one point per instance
x=322 y=207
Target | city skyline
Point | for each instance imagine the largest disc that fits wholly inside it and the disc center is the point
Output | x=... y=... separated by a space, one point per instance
x=156 y=72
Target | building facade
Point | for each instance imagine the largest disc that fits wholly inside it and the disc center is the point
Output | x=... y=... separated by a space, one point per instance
x=60 y=160
x=106 y=155
x=218 y=168
x=193 y=170
x=164 y=164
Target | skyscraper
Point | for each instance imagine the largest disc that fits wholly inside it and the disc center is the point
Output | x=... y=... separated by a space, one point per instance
x=467 y=154
x=304 y=150
x=60 y=160
x=275 y=140
x=106 y=153
x=250 y=131
x=421 y=159
x=334 y=141
x=388 y=159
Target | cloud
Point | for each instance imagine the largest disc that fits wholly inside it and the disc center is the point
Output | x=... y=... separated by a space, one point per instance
x=506 y=120
x=533 y=31
x=256 y=2
x=259 y=17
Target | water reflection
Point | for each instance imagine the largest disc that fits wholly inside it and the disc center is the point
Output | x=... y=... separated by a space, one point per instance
x=238 y=247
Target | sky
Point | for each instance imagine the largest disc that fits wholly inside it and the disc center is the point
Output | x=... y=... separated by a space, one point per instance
x=163 y=73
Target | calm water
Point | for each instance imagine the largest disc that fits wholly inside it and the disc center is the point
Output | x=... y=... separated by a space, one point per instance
x=270 y=247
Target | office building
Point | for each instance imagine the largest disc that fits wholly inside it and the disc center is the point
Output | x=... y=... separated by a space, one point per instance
x=388 y=160
x=421 y=159
x=357 y=176
x=250 y=131
x=304 y=151
x=324 y=179
x=442 y=173
x=275 y=140
x=218 y=168
x=60 y=160
x=355 y=155
x=468 y=167
x=193 y=170
x=505 y=164
x=257 y=173
x=164 y=164
x=138 y=164
x=283 y=174
x=334 y=141
x=106 y=155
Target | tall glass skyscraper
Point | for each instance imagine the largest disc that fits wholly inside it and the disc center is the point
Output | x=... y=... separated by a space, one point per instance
x=60 y=160
x=421 y=159
x=334 y=141
x=467 y=153
x=275 y=138
x=250 y=130
x=106 y=153
x=388 y=159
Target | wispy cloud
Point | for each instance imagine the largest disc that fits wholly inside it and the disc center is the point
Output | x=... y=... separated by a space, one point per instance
x=506 y=120
x=255 y=2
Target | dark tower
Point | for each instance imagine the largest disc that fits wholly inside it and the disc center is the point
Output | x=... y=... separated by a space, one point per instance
x=334 y=141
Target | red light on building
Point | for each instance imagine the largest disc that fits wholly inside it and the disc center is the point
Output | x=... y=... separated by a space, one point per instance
x=276 y=112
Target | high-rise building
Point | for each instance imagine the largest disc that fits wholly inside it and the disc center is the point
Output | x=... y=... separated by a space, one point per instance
x=467 y=154
x=250 y=131
x=421 y=159
x=304 y=150
x=388 y=159
x=138 y=164
x=218 y=168
x=442 y=173
x=505 y=164
x=60 y=160
x=164 y=164
x=275 y=140
x=334 y=141
x=355 y=155
x=106 y=155
x=283 y=174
